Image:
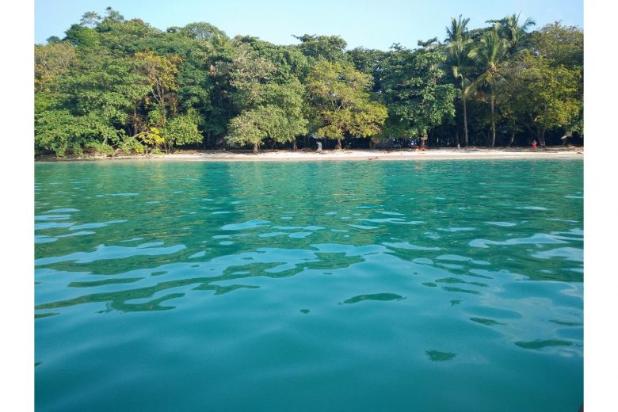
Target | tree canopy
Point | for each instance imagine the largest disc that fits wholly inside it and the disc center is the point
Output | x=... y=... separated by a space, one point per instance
x=341 y=105
x=113 y=85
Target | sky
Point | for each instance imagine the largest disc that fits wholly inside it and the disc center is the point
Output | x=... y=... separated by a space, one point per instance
x=373 y=24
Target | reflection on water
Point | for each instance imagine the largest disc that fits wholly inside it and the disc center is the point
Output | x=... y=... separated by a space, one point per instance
x=540 y=344
x=437 y=356
x=374 y=296
x=191 y=279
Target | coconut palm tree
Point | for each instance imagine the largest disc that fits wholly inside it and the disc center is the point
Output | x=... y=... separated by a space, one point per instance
x=458 y=51
x=510 y=29
x=488 y=55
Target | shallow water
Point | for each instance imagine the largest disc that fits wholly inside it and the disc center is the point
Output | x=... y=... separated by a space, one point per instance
x=366 y=286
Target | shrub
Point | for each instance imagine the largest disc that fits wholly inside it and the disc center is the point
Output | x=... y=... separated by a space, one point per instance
x=130 y=145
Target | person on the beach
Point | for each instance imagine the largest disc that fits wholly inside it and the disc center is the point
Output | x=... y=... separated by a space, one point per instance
x=534 y=144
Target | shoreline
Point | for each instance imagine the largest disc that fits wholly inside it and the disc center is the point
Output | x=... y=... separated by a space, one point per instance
x=345 y=155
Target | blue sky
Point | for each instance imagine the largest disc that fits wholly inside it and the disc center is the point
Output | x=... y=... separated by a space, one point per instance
x=368 y=23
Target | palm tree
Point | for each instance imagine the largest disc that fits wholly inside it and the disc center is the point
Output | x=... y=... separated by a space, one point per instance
x=510 y=29
x=488 y=55
x=459 y=47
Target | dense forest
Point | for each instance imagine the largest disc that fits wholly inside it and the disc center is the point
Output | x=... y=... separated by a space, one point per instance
x=117 y=86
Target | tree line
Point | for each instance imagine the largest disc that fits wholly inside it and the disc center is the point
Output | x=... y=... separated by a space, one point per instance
x=113 y=85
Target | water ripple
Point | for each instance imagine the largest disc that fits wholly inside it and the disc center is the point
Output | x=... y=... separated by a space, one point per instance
x=166 y=273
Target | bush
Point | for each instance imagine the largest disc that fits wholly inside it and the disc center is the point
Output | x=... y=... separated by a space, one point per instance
x=55 y=132
x=60 y=132
x=130 y=145
x=182 y=130
x=99 y=148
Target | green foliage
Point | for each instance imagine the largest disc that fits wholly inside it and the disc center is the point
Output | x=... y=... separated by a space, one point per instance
x=331 y=48
x=98 y=148
x=488 y=54
x=61 y=133
x=105 y=86
x=370 y=62
x=182 y=130
x=540 y=86
x=340 y=102
x=81 y=36
x=161 y=74
x=561 y=45
x=52 y=61
x=546 y=96
x=151 y=138
x=204 y=32
x=90 y=19
x=514 y=33
x=117 y=85
x=268 y=97
x=413 y=91
x=248 y=128
x=131 y=145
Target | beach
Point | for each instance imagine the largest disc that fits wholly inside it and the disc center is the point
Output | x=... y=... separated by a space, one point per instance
x=294 y=156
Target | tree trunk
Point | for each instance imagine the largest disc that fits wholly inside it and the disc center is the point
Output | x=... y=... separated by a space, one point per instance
x=493 y=119
x=338 y=147
x=465 y=119
x=542 y=137
x=512 y=137
x=294 y=145
x=163 y=109
x=134 y=121
x=256 y=146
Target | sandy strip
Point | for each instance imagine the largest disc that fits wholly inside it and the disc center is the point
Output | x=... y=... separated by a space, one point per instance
x=299 y=156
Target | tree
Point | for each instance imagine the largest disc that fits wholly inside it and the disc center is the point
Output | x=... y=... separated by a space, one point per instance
x=53 y=39
x=339 y=96
x=545 y=96
x=83 y=37
x=556 y=96
x=371 y=62
x=60 y=132
x=116 y=84
x=489 y=54
x=204 y=32
x=126 y=37
x=285 y=102
x=255 y=125
x=561 y=45
x=88 y=102
x=268 y=98
x=416 y=98
x=459 y=48
x=513 y=32
x=90 y=19
x=52 y=61
x=113 y=15
x=160 y=72
x=331 y=48
x=151 y=137
x=181 y=130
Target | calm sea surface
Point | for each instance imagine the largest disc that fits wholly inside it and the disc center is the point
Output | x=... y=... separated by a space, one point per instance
x=326 y=286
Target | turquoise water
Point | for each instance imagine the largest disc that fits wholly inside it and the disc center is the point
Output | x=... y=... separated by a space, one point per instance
x=352 y=286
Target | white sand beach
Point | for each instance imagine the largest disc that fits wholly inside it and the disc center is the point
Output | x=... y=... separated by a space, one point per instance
x=338 y=155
